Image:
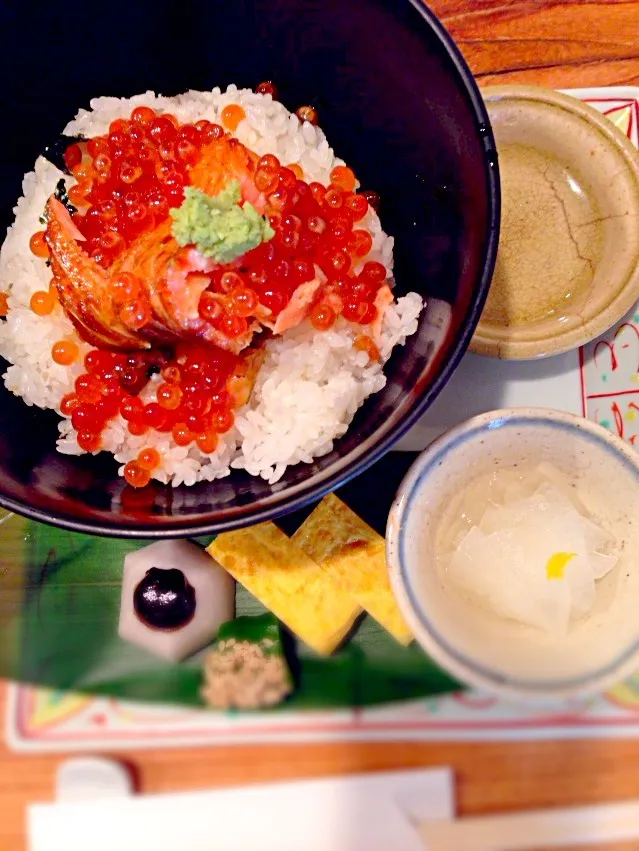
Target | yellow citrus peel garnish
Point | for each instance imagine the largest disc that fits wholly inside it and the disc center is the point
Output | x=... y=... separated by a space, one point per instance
x=556 y=565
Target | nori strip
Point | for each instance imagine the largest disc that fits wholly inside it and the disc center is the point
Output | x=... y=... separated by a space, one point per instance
x=55 y=152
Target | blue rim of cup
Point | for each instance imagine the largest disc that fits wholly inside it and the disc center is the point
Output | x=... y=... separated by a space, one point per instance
x=415 y=480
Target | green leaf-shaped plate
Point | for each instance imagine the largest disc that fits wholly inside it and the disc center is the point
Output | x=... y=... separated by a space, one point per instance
x=59 y=610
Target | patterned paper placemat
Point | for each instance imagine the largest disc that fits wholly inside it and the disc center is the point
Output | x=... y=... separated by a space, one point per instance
x=600 y=381
x=43 y=720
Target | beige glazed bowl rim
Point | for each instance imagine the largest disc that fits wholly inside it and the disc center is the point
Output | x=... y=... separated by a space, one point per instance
x=502 y=342
x=478 y=429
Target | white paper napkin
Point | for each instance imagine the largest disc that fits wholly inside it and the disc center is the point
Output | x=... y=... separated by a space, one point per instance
x=354 y=813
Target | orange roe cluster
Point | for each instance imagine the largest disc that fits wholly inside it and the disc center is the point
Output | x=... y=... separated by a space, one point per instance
x=136 y=173
x=138 y=473
x=65 y=352
x=315 y=226
x=363 y=343
x=193 y=402
x=130 y=178
x=127 y=182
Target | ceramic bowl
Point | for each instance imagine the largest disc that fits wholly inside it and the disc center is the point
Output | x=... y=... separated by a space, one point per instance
x=403 y=110
x=475 y=645
x=568 y=260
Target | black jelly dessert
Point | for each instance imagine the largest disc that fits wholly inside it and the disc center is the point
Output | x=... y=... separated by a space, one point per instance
x=164 y=599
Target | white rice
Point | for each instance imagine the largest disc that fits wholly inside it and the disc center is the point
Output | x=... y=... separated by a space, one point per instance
x=311 y=383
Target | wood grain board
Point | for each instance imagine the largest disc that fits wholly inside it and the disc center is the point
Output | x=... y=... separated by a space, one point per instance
x=547 y=43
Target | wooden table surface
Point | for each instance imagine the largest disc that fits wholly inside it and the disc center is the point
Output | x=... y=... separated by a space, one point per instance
x=545 y=42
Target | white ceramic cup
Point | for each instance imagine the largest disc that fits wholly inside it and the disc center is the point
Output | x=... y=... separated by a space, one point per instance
x=475 y=645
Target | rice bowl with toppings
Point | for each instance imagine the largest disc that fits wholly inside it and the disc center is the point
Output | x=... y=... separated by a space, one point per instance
x=206 y=290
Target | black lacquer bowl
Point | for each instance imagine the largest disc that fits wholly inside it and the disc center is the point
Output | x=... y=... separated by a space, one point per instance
x=396 y=101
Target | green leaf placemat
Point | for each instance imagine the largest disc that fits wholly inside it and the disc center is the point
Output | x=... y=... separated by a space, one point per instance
x=59 y=611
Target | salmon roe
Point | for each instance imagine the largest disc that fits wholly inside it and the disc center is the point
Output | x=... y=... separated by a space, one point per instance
x=267 y=88
x=72 y=156
x=38 y=245
x=193 y=381
x=343 y=177
x=149 y=459
x=68 y=404
x=232 y=115
x=135 y=475
x=169 y=396
x=78 y=193
x=65 y=352
x=307 y=113
x=363 y=343
x=358 y=206
x=315 y=228
x=182 y=434
x=137 y=428
x=127 y=181
x=89 y=441
x=42 y=302
x=372 y=199
x=207 y=442
x=143 y=115
x=323 y=317
x=132 y=176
